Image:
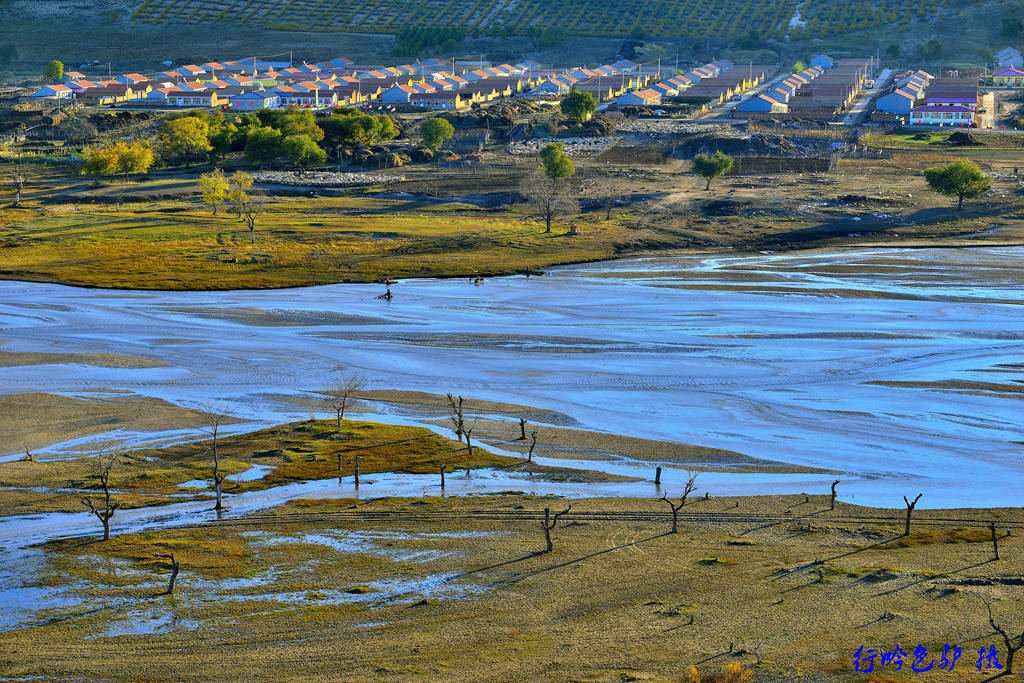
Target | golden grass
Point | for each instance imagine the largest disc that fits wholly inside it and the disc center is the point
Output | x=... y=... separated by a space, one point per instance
x=615 y=600
x=180 y=245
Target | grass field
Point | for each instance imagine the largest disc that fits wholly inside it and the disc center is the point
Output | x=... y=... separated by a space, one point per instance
x=457 y=589
x=171 y=245
x=163 y=237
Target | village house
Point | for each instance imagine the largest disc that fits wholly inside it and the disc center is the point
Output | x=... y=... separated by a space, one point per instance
x=442 y=101
x=648 y=97
x=1010 y=77
x=53 y=92
x=1009 y=57
x=254 y=100
x=941 y=115
x=182 y=98
x=760 y=104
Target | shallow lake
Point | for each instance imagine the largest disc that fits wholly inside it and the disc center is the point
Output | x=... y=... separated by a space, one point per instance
x=774 y=356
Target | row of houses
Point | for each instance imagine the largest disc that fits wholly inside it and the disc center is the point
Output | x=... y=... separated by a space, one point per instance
x=249 y=84
x=918 y=98
x=252 y=84
x=712 y=84
x=822 y=91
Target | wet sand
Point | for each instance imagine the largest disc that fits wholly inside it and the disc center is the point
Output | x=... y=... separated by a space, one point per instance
x=36 y=420
x=101 y=360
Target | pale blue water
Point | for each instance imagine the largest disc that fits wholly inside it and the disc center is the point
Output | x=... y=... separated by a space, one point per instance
x=669 y=348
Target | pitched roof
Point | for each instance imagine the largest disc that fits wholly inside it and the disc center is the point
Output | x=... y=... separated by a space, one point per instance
x=928 y=108
x=1009 y=72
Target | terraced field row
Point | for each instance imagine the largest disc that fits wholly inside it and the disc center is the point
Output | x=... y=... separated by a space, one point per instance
x=669 y=18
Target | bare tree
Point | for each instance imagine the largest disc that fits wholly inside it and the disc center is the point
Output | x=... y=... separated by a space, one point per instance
x=522 y=429
x=101 y=467
x=17 y=174
x=549 y=523
x=214 y=420
x=250 y=209
x=355 y=469
x=456 y=416
x=910 y=508
x=549 y=199
x=443 y=467
x=995 y=540
x=1011 y=646
x=533 y=444
x=688 y=488
x=834 y=485
x=608 y=201
x=174 y=573
x=344 y=391
x=469 y=444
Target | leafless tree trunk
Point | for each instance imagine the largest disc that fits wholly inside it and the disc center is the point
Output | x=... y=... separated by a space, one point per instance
x=549 y=199
x=442 y=477
x=657 y=475
x=102 y=465
x=355 y=472
x=995 y=540
x=214 y=420
x=469 y=444
x=675 y=511
x=1011 y=646
x=910 y=508
x=174 y=573
x=344 y=391
x=522 y=429
x=549 y=523
x=533 y=444
x=250 y=210
x=18 y=180
x=834 y=485
x=609 y=204
x=456 y=416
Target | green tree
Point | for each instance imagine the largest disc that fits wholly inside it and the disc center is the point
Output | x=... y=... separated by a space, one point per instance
x=101 y=161
x=436 y=132
x=961 y=179
x=186 y=137
x=578 y=105
x=932 y=50
x=137 y=157
x=119 y=158
x=8 y=54
x=555 y=163
x=214 y=188
x=984 y=54
x=387 y=128
x=893 y=50
x=711 y=167
x=1010 y=26
x=295 y=121
x=54 y=72
x=302 y=151
x=798 y=67
x=238 y=190
x=262 y=145
x=224 y=138
x=351 y=127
